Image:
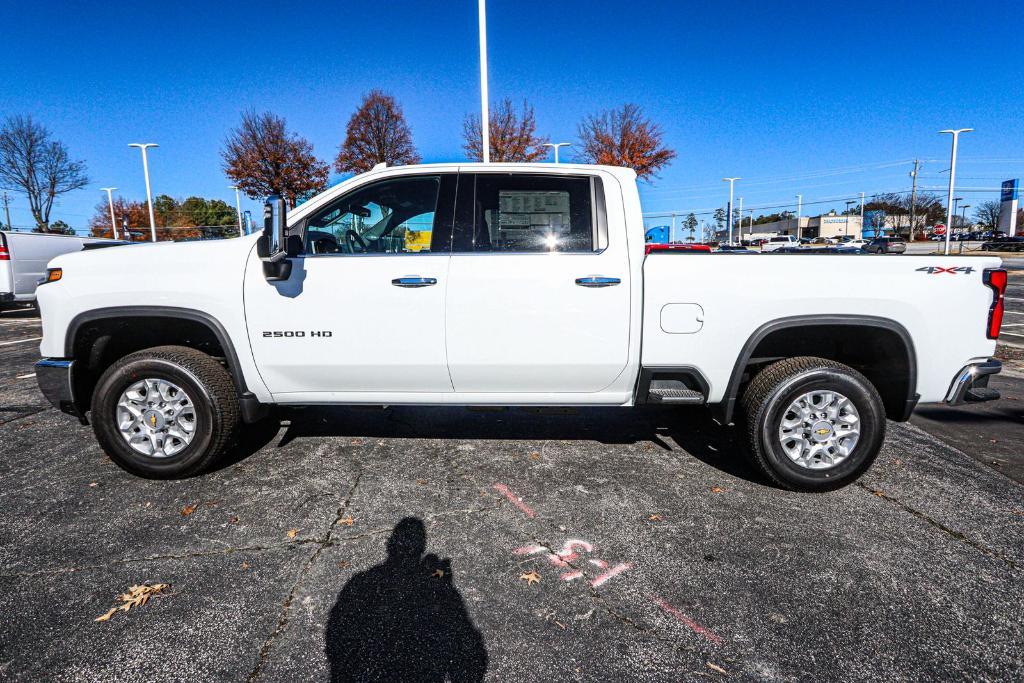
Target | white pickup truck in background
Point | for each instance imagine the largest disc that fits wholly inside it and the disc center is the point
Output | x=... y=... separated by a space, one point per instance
x=23 y=259
x=507 y=284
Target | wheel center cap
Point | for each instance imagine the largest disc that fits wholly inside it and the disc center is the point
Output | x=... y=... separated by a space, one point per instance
x=154 y=419
x=822 y=431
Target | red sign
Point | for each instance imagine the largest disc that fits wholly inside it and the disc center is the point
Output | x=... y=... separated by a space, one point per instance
x=940 y=230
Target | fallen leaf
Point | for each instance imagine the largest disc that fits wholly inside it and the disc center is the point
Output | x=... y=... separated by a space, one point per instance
x=293 y=533
x=898 y=461
x=535 y=456
x=878 y=493
x=245 y=565
x=439 y=573
x=530 y=578
x=347 y=521
x=421 y=482
x=188 y=509
x=715 y=667
x=654 y=518
x=344 y=564
x=137 y=596
x=233 y=520
x=717 y=489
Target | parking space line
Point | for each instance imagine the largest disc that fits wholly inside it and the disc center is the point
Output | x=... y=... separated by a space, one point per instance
x=20 y=341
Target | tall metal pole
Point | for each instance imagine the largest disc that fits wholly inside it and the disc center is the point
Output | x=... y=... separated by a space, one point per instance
x=110 y=201
x=732 y=183
x=149 y=193
x=913 y=199
x=799 y=208
x=555 y=146
x=739 y=214
x=485 y=118
x=952 y=180
x=672 y=230
x=238 y=208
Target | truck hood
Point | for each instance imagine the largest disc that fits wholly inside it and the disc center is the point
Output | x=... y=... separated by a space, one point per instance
x=147 y=256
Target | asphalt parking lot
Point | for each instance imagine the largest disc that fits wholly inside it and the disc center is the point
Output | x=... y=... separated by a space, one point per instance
x=373 y=544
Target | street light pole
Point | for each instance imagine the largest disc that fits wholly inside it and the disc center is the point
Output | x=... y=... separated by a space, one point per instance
x=846 y=227
x=732 y=183
x=110 y=201
x=485 y=118
x=952 y=179
x=149 y=193
x=739 y=214
x=555 y=146
x=799 y=207
x=238 y=208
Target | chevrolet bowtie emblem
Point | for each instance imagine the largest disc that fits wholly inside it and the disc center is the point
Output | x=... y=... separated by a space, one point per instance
x=152 y=420
x=823 y=432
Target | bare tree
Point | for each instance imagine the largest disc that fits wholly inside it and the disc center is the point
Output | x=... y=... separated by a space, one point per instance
x=376 y=133
x=988 y=212
x=38 y=166
x=513 y=135
x=263 y=158
x=625 y=137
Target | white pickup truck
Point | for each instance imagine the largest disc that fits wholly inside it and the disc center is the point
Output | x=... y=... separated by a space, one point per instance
x=509 y=285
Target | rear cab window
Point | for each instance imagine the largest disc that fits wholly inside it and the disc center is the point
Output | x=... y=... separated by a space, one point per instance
x=524 y=213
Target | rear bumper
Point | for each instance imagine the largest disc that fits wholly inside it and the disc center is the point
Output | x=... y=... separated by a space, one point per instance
x=6 y=296
x=971 y=384
x=54 y=376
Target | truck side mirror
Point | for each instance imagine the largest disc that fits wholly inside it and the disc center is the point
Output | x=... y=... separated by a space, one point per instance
x=272 y=246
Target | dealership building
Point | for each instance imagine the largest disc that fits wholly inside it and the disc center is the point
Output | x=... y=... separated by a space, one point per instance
x=828 y=225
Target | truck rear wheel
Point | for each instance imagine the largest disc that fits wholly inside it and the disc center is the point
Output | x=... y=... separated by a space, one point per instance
x=165 y=412
x=813 y=424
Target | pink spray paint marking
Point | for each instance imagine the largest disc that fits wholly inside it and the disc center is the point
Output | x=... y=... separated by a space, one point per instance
x=599 y=563
x=529 y=549
x=515 y=500
x=614 y=571
x=688 y=622
x=569 y=576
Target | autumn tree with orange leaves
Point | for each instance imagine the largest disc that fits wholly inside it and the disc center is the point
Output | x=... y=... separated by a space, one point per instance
x=175 y=220
x=625 y=137
x=263 y=158
x=513 y=135
x=376 y=133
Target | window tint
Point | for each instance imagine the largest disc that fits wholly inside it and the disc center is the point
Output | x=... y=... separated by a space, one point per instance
x=390 y=217
x=524 y=213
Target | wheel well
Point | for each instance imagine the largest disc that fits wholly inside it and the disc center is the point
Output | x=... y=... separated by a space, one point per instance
x=97 y=344
x=881 y=351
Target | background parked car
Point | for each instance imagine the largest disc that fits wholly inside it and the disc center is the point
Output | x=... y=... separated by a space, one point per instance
x=886 y=245
x=856 y=244
x=1004 y=244
x=779 y=242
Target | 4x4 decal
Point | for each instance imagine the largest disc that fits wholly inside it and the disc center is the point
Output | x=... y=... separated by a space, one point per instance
x=935 y=270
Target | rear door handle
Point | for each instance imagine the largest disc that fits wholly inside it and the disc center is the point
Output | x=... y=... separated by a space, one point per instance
x=414 y=281
x=597 y=281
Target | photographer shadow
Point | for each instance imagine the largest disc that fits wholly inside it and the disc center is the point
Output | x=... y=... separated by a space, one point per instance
x=404 y=619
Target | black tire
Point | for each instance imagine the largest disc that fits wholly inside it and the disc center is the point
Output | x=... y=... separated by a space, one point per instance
x=770 y=394
x=204 y=380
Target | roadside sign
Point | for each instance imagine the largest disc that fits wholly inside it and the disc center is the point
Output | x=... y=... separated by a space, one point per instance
x=940 y=229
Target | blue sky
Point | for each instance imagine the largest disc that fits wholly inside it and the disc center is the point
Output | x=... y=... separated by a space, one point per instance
x=806 y=97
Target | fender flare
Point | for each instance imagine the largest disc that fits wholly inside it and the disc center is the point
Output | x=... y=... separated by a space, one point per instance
x=724 y=411
x=171 y=312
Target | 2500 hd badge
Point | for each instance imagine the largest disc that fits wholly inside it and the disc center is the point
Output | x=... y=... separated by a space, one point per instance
x=297 y=333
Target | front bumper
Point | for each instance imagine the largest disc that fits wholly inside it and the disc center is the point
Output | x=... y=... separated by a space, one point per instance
x=54 y=376
x=971 y=384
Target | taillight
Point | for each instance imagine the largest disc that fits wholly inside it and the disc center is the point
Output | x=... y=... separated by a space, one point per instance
x=995 y=278
x=4 y=254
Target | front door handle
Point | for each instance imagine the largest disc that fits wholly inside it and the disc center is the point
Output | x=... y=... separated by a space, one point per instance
x=597 y=281
x=414 y=281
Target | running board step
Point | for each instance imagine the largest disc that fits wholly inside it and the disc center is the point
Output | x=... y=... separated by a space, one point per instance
x=685 y=396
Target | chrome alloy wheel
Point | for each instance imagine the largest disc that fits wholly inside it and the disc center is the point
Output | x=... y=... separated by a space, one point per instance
x=819 y=429
x=156 y=418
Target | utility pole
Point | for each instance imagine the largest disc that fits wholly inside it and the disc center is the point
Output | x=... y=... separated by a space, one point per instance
x=739 y=215
x=913 y=199
x=671 y=231
x=238 y=208
x=799 y=207
x=732 y=183
x=7 y=210
x=485 y=118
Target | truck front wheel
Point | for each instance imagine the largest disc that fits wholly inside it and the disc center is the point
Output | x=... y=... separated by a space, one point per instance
x=813 y=424
x=165 y=412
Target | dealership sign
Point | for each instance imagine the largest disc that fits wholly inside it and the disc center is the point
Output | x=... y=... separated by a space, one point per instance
x=1008 y=206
